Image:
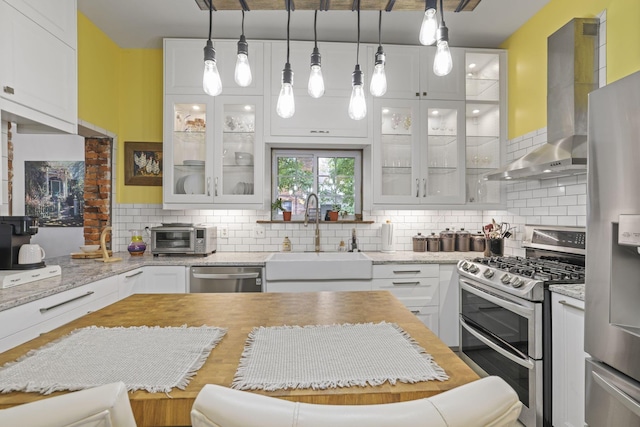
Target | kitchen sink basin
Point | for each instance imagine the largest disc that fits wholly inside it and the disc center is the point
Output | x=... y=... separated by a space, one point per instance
x=304 y=266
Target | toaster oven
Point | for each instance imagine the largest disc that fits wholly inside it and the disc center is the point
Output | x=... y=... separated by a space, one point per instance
x=183 y=239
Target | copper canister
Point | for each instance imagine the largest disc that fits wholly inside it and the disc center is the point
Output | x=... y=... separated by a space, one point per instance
x=419 y=243
x=447 y=241
x=433 y=243
x=477 y=242
x=462 y=240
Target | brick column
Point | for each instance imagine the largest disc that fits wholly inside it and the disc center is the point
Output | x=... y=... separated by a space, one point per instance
x=97 y=188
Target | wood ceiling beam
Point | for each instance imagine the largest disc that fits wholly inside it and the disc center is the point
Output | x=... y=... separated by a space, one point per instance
x=401 y=5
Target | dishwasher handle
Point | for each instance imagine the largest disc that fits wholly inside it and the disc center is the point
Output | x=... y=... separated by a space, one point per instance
x=225 y=275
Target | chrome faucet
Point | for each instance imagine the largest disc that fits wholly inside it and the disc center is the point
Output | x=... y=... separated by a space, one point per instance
x=306 y=218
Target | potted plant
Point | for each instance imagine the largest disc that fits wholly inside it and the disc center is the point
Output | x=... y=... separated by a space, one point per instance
x=278 y=206
x=333 y=213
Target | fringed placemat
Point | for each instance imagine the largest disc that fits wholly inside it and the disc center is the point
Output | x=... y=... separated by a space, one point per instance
x=154 y=359
x=330 y=356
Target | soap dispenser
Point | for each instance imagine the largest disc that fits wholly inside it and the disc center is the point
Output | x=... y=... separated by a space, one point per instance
x=353 y=247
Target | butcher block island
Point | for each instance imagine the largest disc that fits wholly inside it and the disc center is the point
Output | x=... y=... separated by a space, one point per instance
x=240 y=313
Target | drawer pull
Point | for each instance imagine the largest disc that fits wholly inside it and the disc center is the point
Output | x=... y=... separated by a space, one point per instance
x=415 y=311
x=9 y=90
x=405 y=283
x=406 y=271
x=44 y=310
x=133 y=275
x=568 y=304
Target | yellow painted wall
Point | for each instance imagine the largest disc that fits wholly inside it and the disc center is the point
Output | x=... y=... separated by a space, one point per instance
x=527 y=49
x=120 y=90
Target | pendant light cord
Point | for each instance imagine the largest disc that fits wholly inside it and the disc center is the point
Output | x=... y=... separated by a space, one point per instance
x=210 y=16
x=315 y=32
x=358 y=48
x=380 y=29
x=288 y=21
x=442 y=14
x=242 y=21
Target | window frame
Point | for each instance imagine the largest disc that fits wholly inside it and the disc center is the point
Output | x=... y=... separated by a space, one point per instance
x=316 y=154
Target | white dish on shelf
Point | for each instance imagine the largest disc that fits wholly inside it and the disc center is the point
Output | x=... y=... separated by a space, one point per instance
x=180 y=185
x=193 y=184
x=193 y=162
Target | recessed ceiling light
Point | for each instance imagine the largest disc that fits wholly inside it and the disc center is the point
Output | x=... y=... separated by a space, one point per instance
x=435 y=112
x=469 y=74
x=196 y=107
x=385 y=110
x=546 y=171
x=476 y=111
x=507 y=177
x=472 y=66
x=247 y=107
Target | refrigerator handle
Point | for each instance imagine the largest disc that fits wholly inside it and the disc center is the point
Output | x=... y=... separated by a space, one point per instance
x=617 y=394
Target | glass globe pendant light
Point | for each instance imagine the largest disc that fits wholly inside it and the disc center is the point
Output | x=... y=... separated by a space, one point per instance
x=211 y=82
x=429 y=26
x=378 y=85
x=286 y=106
x=243 y=69
x=357 y=103
x=442 y=64
x=316 y=81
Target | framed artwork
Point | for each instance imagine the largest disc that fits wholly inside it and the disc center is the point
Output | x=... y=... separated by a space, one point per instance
x=143 y=163
x=54 y=192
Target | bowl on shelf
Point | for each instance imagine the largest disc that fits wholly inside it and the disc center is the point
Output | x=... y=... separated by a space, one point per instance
x=89 y=248
x=244 y=159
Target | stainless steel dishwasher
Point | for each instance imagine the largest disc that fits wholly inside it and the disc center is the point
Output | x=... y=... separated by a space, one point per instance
x=209 y=279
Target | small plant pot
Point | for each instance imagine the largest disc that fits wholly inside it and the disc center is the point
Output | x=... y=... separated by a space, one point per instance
x=286 y=215
x=333 y=215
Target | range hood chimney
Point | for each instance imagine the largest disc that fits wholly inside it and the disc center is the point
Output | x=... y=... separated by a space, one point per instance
x=572 y=72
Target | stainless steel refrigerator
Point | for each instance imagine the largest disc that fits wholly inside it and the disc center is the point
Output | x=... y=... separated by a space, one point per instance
x=612 y=315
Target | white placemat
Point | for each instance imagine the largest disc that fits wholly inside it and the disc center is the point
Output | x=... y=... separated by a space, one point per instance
x=330 y=356
x=144 y=358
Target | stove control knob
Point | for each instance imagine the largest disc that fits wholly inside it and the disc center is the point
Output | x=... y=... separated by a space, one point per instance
x=465 y=266
x=473 y=269
x=488 y=273
x=516 y=282
x=505 y=279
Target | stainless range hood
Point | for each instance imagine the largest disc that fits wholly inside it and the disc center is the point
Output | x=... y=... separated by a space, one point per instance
x=572 y=72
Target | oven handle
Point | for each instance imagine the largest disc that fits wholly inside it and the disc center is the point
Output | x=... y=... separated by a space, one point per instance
x=526 y=362
x=226 y=275
x=511 y=306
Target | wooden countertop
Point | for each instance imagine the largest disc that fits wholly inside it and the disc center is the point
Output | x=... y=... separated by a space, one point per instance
x=240 y=313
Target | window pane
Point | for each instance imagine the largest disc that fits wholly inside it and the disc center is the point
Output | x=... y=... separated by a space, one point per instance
x=294 y=182
x=336 y=183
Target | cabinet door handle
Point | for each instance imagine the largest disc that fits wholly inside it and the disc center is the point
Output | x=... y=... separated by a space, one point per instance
x=208 y=186
x=417 y=93
x=415 y=311
x=406 y=271
x=417 y=187
x=44 y=310
x=133 y=275
x=424 y=184
x=405 y=283
x=8 y=89
x=568 y=304
x=216 y=187
x=424 y=93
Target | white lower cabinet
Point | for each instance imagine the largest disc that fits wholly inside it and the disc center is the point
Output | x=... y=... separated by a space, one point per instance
x=153 y=280
x=449 y=305
x=25 y=322
x=568 y=361
x=415 y=285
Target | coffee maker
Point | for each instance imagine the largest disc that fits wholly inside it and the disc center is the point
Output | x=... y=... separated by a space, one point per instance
x=16 y=231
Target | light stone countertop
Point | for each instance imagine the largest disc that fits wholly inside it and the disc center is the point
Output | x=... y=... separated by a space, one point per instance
x=78 y=272
x=574 y=291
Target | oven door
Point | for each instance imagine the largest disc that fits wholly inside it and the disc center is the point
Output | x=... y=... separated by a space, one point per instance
x=177 y=240
x=499 y=336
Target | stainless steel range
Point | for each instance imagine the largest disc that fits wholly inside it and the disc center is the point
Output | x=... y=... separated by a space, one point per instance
x=505 y=313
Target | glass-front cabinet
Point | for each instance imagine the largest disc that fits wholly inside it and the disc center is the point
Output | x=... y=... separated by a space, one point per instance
x=213 y=150
x=418 y=152
x=188 y=149
x=485 y=129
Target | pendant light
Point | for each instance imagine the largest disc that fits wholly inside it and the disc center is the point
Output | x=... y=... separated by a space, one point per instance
x=243 y=69
x=357 y=103
x=379 y=78
x=443 y=64
x=429 y=26
x=286 y=106
x=316 y=82
x=211 y=78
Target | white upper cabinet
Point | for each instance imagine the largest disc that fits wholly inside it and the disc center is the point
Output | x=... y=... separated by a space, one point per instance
x=38 y=71
x=409 y=71
x=184 y=66
x=327 y=116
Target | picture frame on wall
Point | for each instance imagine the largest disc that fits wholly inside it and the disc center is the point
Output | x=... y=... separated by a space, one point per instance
x=143 y=163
